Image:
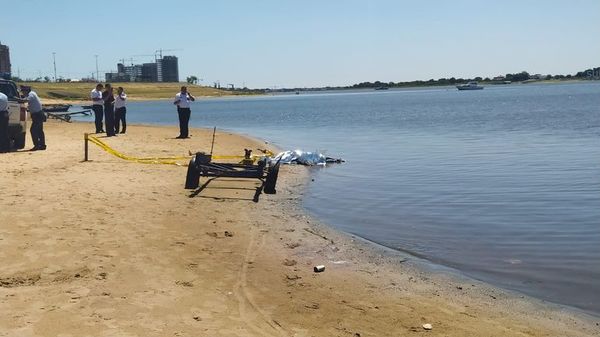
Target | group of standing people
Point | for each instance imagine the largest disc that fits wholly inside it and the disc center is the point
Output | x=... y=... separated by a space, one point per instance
x=112 y=109
x=109 y=107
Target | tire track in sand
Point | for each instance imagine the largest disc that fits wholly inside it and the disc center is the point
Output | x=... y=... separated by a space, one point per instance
x=250 y=312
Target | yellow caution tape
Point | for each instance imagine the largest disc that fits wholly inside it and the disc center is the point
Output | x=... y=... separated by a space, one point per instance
x=164 y=160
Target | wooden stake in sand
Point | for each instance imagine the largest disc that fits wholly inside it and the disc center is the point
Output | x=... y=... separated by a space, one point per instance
x=85 y=148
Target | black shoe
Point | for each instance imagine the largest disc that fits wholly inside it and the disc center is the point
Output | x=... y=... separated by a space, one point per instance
x=42 y=148
x=123 y=132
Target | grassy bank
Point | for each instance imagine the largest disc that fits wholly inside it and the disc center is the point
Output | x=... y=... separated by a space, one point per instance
x=76 y=91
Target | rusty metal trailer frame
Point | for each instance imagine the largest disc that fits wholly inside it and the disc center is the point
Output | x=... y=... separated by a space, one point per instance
x=201 y=165
x=66 y=116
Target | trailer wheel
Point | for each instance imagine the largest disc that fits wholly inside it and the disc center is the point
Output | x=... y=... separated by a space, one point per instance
x=271 y=179
x=19 y=141
x=192 y=180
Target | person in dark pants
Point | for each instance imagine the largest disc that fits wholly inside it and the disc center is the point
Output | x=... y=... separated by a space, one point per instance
x=4 y=141
x=38 y=117
x=37 y=131
x=120 y=110
x=109 y=110
x=98 y=102
x=182 y=100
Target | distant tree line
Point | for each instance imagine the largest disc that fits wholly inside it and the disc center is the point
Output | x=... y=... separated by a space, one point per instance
x=593 y=73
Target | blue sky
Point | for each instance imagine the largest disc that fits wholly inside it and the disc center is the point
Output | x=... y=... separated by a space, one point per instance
x=268 y=43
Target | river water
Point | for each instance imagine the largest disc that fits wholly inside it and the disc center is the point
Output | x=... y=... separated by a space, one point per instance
x=502 y=184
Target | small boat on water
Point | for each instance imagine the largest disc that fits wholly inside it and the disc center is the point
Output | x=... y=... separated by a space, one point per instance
x=57 y=107
x=382 y=88
x=469 y=86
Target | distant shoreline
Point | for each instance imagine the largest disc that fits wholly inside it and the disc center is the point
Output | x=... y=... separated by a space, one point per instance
x=76 y=93
x=79 y=92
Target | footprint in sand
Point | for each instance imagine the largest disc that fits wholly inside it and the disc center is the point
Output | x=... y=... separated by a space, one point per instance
x=226 y=234
x=289 y=263
x=184 y=283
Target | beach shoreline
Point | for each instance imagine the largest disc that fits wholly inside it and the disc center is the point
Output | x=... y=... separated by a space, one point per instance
x=148 y=258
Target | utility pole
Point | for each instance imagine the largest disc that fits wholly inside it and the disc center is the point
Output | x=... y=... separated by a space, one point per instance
x=54 y=60
x=97 y=78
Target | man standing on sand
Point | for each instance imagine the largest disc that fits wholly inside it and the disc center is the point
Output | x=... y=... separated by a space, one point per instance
x=120 y=110
x=38 y=117
x=98 y=102
x=109 y=110
x=182 y=100
x=4 y=141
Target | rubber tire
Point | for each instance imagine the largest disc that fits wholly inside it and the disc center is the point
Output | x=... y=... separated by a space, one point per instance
x=192 y=179
x=271 y=179
x=19 y=141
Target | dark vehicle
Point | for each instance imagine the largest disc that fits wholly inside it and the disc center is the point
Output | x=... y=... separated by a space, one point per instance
x=17 y=114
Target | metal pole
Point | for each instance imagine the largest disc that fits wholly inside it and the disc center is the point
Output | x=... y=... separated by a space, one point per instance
x=54 y=60
x=85 y=137
x=213 y=141
x=97 y=76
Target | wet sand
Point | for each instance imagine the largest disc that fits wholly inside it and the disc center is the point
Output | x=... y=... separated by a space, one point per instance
x=116 y=248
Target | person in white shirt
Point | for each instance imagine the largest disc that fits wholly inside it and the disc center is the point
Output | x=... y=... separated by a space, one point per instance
x=98 y=104
x=38 y=117
x=4 y=141
x=182 y=100
x=120 y=110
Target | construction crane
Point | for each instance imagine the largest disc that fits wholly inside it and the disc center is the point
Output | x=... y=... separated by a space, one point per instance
x=159 y=53
x=129 y=59
x=145 y=55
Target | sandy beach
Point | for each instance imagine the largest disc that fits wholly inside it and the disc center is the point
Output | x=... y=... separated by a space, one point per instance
x=116 y=248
